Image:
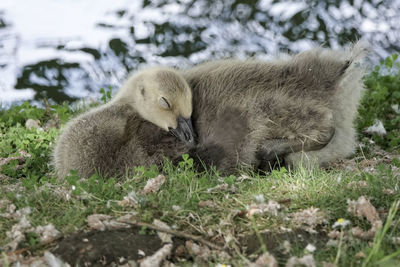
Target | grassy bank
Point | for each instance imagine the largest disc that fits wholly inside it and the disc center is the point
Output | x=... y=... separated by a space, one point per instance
x=346 y=215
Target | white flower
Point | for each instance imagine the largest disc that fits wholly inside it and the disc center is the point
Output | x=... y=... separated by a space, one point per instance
x=73 y=187
x=377 y=128
x=176 y=207
x=396 y=108
x=259 y=198
x=339 y=178
x=310 y=248
x=341 y=223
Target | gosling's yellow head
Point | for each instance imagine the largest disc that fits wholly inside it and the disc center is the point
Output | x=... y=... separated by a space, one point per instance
x=161 y=96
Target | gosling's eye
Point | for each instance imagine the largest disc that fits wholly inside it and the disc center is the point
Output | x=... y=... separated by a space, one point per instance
x=164 y=103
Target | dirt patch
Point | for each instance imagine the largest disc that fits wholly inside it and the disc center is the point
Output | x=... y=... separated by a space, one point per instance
x=104 y=248
x=112 y=247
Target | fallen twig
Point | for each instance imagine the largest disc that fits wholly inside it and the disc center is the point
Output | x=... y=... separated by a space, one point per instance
x=174 y=233
x=17 y=252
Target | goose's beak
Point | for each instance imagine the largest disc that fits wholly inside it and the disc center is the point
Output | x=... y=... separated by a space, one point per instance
x=184 y=131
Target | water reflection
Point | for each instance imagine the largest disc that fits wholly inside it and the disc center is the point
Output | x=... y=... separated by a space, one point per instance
x=176 y=33
x=48 y=78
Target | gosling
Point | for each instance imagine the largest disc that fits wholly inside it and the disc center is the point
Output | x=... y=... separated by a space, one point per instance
x=344 y=105
x=133 y=129
x=248 y=113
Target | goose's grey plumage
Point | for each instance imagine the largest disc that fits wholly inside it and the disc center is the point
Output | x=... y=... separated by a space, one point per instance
x=249 y=112
x=130 y=130
x=244 y=112
x=344 y=104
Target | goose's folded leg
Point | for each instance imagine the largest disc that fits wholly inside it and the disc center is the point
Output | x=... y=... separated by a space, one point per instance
x=274 y=149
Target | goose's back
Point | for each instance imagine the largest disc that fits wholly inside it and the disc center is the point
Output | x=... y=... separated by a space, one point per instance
x=91 y=141
x=240 y=104
x=309 y=74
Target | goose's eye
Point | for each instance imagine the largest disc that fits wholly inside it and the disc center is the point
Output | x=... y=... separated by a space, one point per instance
x=164 y=103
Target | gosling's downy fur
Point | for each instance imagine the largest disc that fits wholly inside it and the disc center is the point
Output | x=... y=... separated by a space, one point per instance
x=245 y=113
x=344 y=104
x=128 y=131
x=249 y=112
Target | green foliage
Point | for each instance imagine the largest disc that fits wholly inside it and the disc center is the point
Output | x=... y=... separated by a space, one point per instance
x=100 y=188
x=380 y=100
x=32 y=147
x=376 y=255
x=151 y=172
x=186 y=163
x=32 y=239
x=230 y=180
x=19 y=114
x=106 y=94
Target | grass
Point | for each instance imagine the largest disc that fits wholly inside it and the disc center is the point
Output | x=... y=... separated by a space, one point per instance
x=67 y=203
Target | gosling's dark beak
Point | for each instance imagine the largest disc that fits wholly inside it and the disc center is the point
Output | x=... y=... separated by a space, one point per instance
x=184 y=131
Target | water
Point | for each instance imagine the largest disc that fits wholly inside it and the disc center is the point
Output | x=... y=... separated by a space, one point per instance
x=69 y=49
